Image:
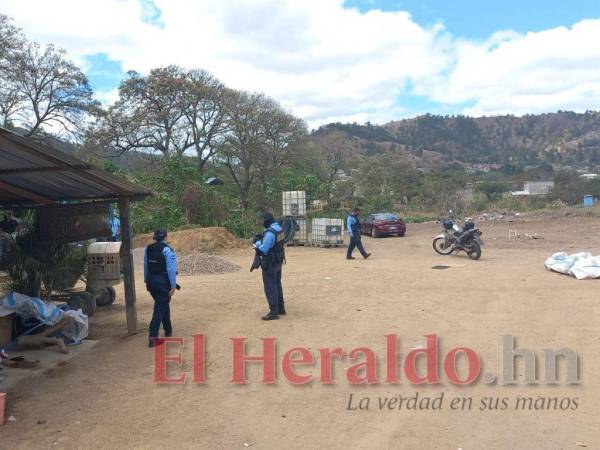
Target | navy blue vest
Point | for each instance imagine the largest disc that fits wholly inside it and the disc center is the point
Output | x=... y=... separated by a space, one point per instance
x=157 y=264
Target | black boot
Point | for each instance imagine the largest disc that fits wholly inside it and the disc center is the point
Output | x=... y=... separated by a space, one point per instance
x=153 y=342
x=271 y=316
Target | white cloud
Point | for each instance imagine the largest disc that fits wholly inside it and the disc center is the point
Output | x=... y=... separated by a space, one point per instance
x=326 y=62
x=536 y=72
x=107 y=97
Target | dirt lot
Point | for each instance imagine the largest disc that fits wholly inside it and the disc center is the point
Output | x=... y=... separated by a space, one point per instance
x=106 y=398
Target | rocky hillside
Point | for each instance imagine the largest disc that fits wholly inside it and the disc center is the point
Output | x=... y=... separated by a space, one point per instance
x=559 y=139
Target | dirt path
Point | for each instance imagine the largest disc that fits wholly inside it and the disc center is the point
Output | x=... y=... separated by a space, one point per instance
x=105 y=399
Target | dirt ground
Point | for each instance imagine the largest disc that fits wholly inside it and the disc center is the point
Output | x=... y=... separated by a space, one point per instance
x=106 y=398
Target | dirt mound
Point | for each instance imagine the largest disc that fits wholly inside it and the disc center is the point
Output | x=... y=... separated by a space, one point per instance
x=196 y=240
x=203 y=264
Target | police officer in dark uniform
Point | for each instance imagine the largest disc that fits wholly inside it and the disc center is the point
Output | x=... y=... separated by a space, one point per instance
x=353 y=227
x=9 y=224
x=160 y=276
x=272 y=257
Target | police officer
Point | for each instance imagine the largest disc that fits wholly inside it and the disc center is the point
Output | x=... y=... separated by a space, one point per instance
x=272 y=256
x=115 y=229
x=160 y=276
x=9 y=224
x=353 y=227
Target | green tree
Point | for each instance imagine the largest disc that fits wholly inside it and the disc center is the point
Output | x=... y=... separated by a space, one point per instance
x=171 y=111
x=262 y=138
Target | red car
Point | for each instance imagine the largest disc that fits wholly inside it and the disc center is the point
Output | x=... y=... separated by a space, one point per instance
x=383 y=224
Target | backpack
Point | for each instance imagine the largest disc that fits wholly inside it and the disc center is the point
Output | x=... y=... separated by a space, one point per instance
x=276 y=255
x=289 y=227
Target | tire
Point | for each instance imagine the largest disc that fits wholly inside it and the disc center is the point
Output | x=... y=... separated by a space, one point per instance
x=439 y=246
x=84 y=301
x=474 y=251
x=402 y=234
x=105 y=296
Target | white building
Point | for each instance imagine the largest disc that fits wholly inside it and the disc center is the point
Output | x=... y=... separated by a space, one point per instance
x=536 y=188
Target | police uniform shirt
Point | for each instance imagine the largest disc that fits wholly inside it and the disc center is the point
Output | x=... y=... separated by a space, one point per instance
x=269 y=238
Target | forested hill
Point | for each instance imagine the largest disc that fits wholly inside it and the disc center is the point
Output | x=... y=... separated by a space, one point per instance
x=563 y=139
x=560 y=139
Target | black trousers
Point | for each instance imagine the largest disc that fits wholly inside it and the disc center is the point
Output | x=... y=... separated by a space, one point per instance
x=271 y=276
x=159 y=288
x=356 y=242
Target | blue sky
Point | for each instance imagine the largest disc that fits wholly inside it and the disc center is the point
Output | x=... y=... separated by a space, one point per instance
x=329 y=60
x=478 y=19
x=103 y=73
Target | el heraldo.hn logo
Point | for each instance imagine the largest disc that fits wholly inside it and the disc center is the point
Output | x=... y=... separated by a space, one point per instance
x=429 y=364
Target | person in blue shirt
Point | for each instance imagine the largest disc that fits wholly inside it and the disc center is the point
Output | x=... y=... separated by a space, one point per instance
x=115 y=228
x=272 y=255
x=353 y=227
x=160 y=276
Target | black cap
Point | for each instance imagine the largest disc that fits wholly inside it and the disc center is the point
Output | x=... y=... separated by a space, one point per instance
x=160 y=234
x=268 y=219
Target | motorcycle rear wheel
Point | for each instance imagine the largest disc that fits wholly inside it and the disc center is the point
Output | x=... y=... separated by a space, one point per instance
x=474 y=251
x=440 y=246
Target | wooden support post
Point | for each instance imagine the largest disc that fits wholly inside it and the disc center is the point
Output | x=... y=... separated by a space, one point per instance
x=127 y=260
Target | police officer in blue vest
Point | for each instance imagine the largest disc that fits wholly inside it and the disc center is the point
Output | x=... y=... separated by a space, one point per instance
x=160 y=276
x=353 y=227
x=272 y=257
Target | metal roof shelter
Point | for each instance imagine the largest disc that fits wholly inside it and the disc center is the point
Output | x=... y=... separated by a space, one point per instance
x=33 y=175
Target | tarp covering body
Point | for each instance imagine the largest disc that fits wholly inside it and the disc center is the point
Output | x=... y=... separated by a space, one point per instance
x=581 y=265
x=49 y=314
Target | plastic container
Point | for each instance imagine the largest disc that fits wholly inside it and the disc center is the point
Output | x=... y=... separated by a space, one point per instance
x=327 y=232
x=294 y=203
x=588 y=201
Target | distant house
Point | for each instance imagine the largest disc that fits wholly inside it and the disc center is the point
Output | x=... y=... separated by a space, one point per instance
x=341 y=175
x=535 y=188
x=319 y=205
x=214 y=181
x=481 y=167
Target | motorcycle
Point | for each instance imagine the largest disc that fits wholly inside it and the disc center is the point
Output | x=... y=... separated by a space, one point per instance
x=455 y=239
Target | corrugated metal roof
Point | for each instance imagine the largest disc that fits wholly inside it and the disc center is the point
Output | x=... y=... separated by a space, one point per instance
x=35 y=174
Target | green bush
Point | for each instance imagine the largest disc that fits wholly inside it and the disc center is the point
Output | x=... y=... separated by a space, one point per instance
x=479 y=202
x=418 y=219
x=492 y=190
x=243 y=224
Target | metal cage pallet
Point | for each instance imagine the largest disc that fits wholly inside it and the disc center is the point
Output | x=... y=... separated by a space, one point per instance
x=301 y=236
x=327 y=244
x=326 y=232
x=297 y=244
